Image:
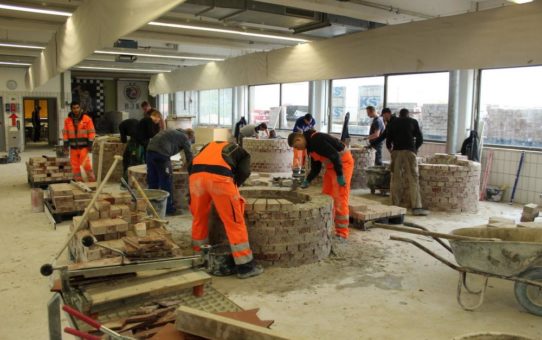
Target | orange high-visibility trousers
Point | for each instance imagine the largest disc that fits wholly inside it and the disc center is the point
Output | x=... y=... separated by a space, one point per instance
x=221 y=190
x=78 y=158
x=340 y=194
x=299 y=159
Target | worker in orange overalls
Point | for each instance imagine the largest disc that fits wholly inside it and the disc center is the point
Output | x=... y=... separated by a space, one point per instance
x=78 y=135
x=329 y=151
x=215 y=173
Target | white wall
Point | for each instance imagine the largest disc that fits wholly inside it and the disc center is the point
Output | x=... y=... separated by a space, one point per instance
x=51 y=89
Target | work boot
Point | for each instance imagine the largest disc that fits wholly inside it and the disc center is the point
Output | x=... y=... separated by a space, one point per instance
x=244 y=271
x=420 y=212
x=339 y=246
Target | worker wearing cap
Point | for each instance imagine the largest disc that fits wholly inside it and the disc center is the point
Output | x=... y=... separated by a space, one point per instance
x=329 y=151
x=302 y=124
x=214 y=176
x=78 y=134
x=161 y=147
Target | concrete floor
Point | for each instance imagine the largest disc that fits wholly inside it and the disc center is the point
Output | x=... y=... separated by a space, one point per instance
x=377 y=289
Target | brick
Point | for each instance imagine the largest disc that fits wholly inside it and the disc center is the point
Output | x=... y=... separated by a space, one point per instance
x=260 y=205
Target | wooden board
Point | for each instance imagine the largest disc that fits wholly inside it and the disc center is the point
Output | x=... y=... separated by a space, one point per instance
x=213 y=326
x=102 y=293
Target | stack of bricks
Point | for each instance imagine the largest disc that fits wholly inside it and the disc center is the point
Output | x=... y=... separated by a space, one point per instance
x=68 y=198
x=434 y=120
x=179 y=185
x=286 y=228
x=111 y=147
x=449 y=183
x=525 y=129
x=49 y=169
x=530 y=212
x=112 y=219
x=363 y=158
x=269 y=155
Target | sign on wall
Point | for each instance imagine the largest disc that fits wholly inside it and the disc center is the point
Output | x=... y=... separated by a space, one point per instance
x=130 y=95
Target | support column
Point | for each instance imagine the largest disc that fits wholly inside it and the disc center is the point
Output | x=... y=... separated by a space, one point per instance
x=318 y=104
x=453 y=112
x=240 y=103
x=460 y=101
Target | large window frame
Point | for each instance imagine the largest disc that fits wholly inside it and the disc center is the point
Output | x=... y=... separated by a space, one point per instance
x=224 y=108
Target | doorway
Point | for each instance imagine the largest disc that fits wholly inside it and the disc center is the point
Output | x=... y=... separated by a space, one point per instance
x=2 y=126
x=40 y=121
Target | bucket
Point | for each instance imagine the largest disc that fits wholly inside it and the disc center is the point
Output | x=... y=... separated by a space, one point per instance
x=36 y=199
x=158 y=200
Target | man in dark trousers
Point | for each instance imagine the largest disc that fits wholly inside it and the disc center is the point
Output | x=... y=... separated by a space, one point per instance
x=404 y=138
x=327 y=150
x=165 y=144
x=36 y=124
x=133 y=152
x=387 y=117
x=216 y=172
x=377 y=128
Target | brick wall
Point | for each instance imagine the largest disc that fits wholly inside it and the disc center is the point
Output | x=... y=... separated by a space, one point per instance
x=269 y=155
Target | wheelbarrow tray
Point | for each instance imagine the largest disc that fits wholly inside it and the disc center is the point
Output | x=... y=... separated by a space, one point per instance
x=378 y=177
x=520 y=249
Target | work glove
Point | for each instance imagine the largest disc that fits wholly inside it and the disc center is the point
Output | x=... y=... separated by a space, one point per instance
x=341 y=180
x=305 y=184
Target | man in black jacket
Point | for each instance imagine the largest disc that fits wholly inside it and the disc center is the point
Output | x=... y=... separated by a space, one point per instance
x=404 y=138
x=133 y=152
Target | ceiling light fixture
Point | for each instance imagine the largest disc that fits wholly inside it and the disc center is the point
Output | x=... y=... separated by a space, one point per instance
x=100 y=68
x=520 y=1
x=221 y=30
x=35 y=10
x=156 y=55
x=13 y=63
x=34 y=47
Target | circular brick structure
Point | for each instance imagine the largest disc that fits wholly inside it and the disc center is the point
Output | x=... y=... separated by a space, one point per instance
x=285 y=228
x=363 y=158
x=179 y=186
x=269 y=155
x=450 y=183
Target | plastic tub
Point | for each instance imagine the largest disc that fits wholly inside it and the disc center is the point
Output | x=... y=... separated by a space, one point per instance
x=158 y=200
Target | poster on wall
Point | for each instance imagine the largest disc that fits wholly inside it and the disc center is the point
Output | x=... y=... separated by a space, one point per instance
x=90 y=95
x=130 y=95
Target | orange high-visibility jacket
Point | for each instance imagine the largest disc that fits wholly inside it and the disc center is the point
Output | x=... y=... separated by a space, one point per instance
x=79 y=135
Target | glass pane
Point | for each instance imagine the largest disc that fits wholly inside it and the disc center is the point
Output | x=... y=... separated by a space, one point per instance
x=354 y=95
x=208 y=107
x=295 y=103
x=179 y=103
x=163 y=104
x=426 y=97
x=226 y=107
x=511 y=106
x=262 y=99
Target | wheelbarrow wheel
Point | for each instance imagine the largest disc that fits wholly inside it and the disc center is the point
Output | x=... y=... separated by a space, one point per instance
x=529 y=296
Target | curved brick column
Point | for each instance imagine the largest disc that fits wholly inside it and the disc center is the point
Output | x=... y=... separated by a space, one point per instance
x=450 y=183
x=179 y=185
x=363 y=158
x=269 y=155
x=285 y=228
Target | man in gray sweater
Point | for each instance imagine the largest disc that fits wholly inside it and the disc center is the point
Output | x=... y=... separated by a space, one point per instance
x=161 y=147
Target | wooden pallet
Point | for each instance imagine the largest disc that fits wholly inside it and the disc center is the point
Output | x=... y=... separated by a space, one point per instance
x=44 y=185
x=363 y=210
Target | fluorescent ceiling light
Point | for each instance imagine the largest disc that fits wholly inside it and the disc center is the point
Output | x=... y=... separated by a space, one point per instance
x=156 y=55
x=34 y=10
x=35 y=47
x=100 y=68
x=520 y=1
x=13 y=63
x=221 y=30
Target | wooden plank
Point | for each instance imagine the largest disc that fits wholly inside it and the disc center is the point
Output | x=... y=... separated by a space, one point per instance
x=146 y=286
x=212 y=326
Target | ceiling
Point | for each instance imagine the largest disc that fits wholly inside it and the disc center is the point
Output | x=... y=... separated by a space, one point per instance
x=266 y=24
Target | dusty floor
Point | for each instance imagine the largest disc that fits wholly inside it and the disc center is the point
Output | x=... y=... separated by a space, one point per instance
x=378 y=289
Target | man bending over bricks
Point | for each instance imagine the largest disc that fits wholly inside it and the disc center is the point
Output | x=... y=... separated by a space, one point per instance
x=332 y=153
x=78 y=135
x=404 y=138
x=162 y=146
x=215 y=174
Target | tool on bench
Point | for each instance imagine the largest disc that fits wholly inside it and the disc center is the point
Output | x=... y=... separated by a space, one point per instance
x=91 y=322
x=48 y=268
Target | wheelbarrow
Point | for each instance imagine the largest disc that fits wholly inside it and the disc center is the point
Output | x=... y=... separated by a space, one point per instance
x=378 y=178
x=513 y=254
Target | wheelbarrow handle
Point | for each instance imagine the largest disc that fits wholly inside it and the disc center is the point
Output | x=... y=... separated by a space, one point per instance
x=77 y=314
x=81 y=334
x=431 y=233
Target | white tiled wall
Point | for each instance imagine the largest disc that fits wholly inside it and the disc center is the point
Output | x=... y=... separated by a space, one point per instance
x=503 y=173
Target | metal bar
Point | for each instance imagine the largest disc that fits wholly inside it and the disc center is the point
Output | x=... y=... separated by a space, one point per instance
x=431 y=233
x=49 y=214
x=438 y=257
x=231 y=15
x=414 y=225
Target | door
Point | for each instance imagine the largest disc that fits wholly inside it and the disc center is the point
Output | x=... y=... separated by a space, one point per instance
x=2 y=126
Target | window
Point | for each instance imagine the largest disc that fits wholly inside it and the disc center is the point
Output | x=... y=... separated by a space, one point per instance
x=208 y=107
x=163 y=104
x=511 y=106
x=226 y=108
x=295 y=103
x=263 y=101
x=426 y=97
x=354 y=95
